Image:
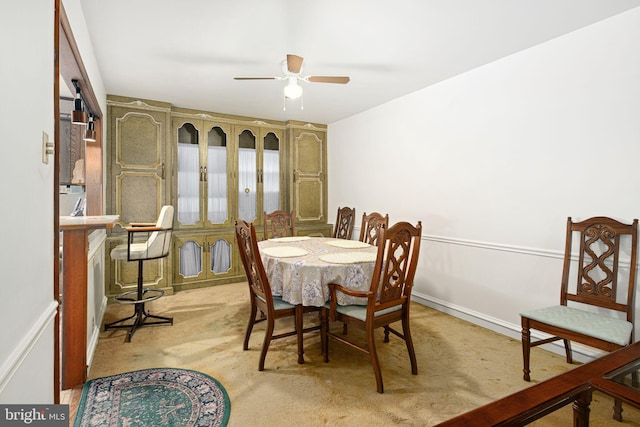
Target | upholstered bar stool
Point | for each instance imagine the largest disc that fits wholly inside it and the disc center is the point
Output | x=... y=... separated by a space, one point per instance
x=145 y=242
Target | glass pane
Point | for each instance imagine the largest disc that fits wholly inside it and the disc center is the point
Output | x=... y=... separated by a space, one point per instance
x=217 y=176
x=247 y=176
x=188 y=175
x=190 y=259
x=271 y=173
x=220 y=256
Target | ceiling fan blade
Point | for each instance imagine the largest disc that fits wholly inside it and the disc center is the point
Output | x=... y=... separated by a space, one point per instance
x=294 y=63
x=328 y=79
x=255 y=78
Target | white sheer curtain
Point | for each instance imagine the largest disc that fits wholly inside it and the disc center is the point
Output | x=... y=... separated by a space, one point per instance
x=247 y=184
x=190 y=259
x=217 y=184
x=220 y=256
x=188 y=183
x=271 y=184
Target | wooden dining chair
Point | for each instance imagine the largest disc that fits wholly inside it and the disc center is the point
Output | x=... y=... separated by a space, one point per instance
x=603 y=287
x=271 y=307
x=344 y=223
x=279 y=224
x=388 y=298
x=370 y=228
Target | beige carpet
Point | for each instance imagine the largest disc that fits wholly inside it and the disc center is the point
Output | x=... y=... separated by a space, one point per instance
x=460 y=366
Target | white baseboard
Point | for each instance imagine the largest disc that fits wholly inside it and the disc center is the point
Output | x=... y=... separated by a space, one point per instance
x=581 y=353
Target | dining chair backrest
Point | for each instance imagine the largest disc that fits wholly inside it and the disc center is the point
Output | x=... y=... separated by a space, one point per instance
x=279 y=224
x=252 y=263
x=396 y=264
x=344 y=223
x=370 y=228
x=598 y=271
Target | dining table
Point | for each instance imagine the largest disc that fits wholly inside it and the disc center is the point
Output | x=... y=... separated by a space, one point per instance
x=300 y=268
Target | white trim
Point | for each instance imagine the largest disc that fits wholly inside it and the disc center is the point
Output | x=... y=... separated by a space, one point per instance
x=29 y=341
x=93 y=340
x=581 y=353
x=495 y=246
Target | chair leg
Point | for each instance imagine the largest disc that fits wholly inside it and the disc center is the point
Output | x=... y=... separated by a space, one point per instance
x=345 y=329
x=324 y=333
x=406 y=331
x=265 y=345
x=567 y=350
x=374 y=360
x=252 y=321
x=386 y=332
x=526 y=349
x=298 y=320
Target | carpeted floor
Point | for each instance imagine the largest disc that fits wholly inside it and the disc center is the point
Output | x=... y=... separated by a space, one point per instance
x=460 y=366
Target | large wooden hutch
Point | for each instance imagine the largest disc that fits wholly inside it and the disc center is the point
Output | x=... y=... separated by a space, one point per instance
x=213 y=168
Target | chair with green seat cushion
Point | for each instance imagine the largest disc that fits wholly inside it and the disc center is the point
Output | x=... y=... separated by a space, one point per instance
x=271 y=307
x=596 y=294
x=388 y=298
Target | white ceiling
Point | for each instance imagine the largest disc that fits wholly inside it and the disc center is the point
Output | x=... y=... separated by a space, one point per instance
x=187 y=52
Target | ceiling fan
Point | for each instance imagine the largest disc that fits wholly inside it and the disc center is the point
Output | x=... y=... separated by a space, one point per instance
x=292 y=71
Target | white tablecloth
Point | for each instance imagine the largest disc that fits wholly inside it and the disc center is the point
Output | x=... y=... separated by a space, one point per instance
x=304 y=279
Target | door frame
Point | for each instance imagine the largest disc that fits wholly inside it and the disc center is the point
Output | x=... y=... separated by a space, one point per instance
x=68 y=65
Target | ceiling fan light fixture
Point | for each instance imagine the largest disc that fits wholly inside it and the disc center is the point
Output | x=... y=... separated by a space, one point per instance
x=293 y=90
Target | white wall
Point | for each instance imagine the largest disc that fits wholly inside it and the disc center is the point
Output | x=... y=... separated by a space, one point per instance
x=27 y=305
x=493 y=161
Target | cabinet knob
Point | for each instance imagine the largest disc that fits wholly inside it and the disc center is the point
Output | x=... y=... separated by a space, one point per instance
x=247 y=190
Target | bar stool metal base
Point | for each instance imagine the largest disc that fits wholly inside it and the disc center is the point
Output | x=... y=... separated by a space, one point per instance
x=140 y=315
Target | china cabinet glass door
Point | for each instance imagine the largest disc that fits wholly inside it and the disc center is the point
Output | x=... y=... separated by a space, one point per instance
x=217 y=176
x=247 y=176
x=189 y=175
x=271 y=172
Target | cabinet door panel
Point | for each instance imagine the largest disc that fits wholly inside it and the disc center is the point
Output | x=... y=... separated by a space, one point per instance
x=136 y=185
x=189 y=168
x=220 y=256
x=308 y=165
x=139 y=140
x=138 y=196
x=309 y=206
x=248 y=167
x=219 y=158
x=189 y=254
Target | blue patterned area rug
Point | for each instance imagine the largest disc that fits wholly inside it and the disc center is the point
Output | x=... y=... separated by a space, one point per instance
x=154 y=397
